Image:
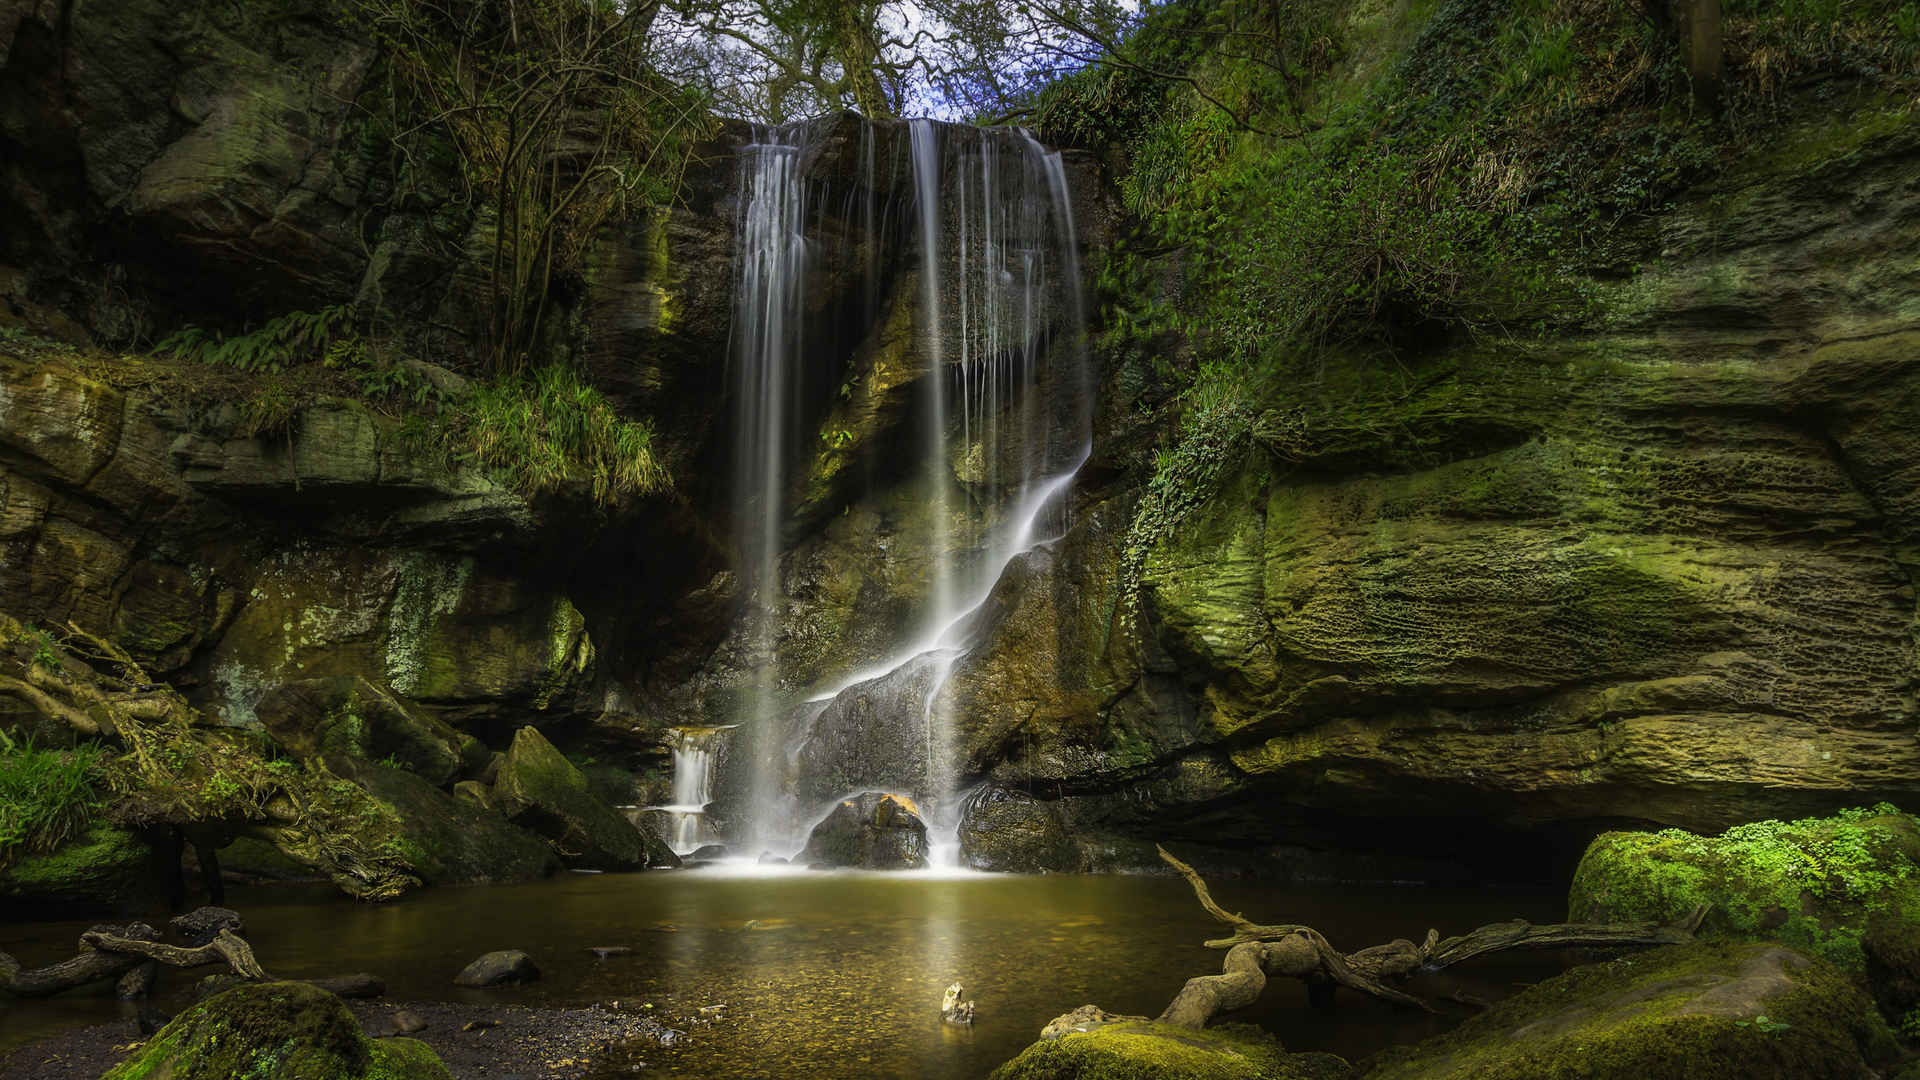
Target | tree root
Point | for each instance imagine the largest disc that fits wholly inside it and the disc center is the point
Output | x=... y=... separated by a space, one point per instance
x=128 y=954
x=1255 y=952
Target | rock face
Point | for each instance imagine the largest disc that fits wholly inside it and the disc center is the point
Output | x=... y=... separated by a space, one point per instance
x=503 y=968
x=540 y=789
x=1131 y=1048
x=1671 y=1014
x=345 y=717
x=1843 y=888
x=282 y=1029
x=871 y=831
x=456 y=841
x=1008 y=830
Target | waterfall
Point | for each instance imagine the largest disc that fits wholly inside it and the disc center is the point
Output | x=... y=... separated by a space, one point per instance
x=696 y=752
x=1004 y=422
x=769 y=294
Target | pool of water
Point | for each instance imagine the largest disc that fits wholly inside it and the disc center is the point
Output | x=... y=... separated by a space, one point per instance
x=840 y=974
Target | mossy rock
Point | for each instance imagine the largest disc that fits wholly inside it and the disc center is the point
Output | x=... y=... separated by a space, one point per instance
x=108 y=867
x=1845 y=888
x=252 y=858
x=539 y=789
x=347 y=717
x=451 y=840
x=1707 y=1011
x=282 y=1031
x=1144 y=1050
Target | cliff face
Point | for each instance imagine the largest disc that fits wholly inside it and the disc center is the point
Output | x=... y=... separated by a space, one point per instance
x=1661 y=571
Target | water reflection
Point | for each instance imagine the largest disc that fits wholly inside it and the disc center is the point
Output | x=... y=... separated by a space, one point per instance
x=837 y=975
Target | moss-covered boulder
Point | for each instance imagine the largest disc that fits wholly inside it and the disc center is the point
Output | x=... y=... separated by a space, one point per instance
x=1845 y=888
x=1144 y=1050
x=288 y=1031
x=539 y=789
x=1685 y=1012
x=347 y=717
x=107 y=867
x=451 y=840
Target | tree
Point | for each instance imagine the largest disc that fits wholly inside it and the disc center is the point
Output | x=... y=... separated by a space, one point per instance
x=555 y=119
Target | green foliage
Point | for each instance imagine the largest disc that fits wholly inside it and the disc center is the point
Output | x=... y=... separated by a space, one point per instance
x=1216 y=431
x=45 y=654
x=46 y=796
x=1812 y=884
x=1764 y=1024
x=294 y=338
x=546 y=428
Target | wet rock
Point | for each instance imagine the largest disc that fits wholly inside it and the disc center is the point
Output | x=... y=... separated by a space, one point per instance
x=406 y=1023
x=768 y=858
x=499 y=968
x=357 y=985
x=205 y=923
x=708 y=853
x=605 y=951
x=276 y=1029
x=1676 y=1013
x=540 y=789
x=872 y=735
x=1003 y=829
x=871 y=831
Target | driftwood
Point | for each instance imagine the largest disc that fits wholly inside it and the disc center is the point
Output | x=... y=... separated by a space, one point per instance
x=1256 y=952
x=129 y=954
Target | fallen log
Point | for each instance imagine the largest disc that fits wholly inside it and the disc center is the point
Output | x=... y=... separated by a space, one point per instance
x=1257 y=952
x=128 y=954
x=89 y=966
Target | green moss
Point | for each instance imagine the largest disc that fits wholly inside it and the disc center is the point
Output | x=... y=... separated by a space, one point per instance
x=1144 y=1050
x=275 y=1031
x=106 y=866
x=1694 y=1012
x=1813 y=884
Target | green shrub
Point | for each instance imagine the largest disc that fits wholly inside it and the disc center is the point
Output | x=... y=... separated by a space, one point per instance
x=46 y=796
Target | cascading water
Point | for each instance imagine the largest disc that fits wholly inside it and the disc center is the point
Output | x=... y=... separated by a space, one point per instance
x=1004 y=423
x=695 y=755
x=767 y=328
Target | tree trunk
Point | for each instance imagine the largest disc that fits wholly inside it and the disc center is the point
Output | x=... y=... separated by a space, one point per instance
x=1705 y=57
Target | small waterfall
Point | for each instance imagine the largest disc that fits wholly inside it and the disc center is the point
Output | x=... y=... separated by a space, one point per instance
x=696 y=753
x=1005 y=423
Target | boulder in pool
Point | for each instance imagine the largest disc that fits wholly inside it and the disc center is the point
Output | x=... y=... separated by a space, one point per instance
x=539 y=789
x=1679 y=1013
x=1132 y=1048
x=871 y=831
x=286 y=1030
x=506 y=967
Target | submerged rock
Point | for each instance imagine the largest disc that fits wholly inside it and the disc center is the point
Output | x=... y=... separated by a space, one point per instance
x=1678 y=1013
x=290 y=1031
x=1132 y=1048
x=1002 y=829
x=539 y=789
x=871 y=831
x=500 y=968
x=1844 y=888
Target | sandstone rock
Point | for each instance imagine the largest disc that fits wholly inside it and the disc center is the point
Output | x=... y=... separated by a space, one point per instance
x=871 y=831
x=540 y=789
x=502 y=968
x=1002 y=829
x=1670 y=1014
x=281 y=1029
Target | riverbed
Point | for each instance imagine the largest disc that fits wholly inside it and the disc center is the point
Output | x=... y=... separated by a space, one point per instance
x=837 y=974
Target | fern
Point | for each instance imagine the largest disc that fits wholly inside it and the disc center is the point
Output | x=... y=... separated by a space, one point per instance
x=292 y=338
